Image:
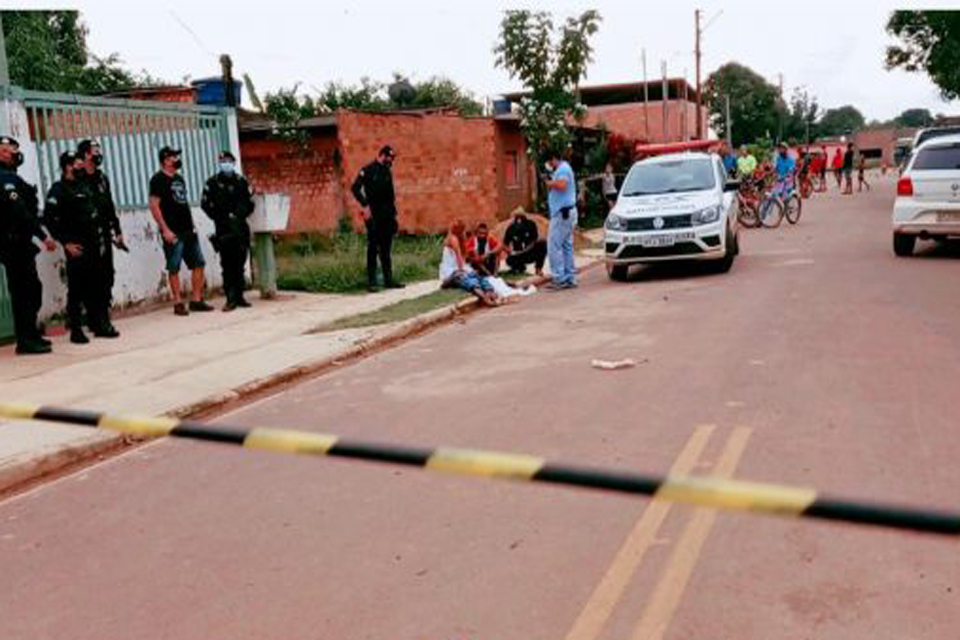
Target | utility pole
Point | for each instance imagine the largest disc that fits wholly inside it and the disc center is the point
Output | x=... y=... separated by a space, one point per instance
x=646 y=99
x=783 y=105
x=729 y=121
x=4 y=70
x=665 y=98
x=696 y=54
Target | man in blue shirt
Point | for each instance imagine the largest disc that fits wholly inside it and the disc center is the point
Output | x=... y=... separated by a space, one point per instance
x=562 y=204
x=729 y=160
x=785 y=164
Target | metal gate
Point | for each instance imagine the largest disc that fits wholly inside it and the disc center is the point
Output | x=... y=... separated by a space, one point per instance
x=130 y=132
x=6 y=311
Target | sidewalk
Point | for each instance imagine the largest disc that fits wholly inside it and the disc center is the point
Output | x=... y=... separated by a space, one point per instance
x=165 y=364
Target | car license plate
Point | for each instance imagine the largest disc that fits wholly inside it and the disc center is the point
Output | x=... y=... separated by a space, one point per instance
x=664 y=240
x=948 y=216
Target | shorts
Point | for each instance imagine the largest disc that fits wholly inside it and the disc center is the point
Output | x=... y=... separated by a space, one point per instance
x=471 y=281
x=185 y=249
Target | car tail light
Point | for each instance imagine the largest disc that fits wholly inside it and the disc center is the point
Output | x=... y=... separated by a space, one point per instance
x=905 y=186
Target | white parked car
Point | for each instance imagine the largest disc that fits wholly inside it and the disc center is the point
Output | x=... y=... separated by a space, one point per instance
x=928 y=195
x=673 y=207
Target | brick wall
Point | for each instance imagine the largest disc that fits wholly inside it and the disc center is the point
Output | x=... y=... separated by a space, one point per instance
x=311 y=178
x=628 y=120
x=447 y=166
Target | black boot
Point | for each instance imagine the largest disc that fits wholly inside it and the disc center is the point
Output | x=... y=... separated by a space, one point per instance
x=31 y=346
x=77 y=336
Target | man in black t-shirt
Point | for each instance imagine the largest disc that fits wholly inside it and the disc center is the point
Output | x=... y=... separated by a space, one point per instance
x=848 y=170
x=523 y=241
x=171 y=209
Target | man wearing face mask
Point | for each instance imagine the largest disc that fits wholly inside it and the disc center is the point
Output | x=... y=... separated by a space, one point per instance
x=171 y=210
x=373 y=189
x=19 y=225
x=109 y=234
x=71 y=216
x=228 y=202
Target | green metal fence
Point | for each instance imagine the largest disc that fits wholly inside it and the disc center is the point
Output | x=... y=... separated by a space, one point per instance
x=130 y=132
x=6 y=313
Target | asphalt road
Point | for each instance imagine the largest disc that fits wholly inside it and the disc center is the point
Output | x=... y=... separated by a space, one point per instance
x=821 y=360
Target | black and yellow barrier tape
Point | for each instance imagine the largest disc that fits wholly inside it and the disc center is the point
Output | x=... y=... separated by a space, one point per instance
x=712 y=492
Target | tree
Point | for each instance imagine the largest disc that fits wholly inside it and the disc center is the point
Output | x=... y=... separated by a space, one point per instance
x=800 y=121
x=914 y=118
x=550 y=66
x=371 y=95
x=755 y=105
x=930 y=42
x=47 y=51
x=840 y=121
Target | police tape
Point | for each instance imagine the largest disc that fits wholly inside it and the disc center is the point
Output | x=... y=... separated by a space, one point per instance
x=706 y=491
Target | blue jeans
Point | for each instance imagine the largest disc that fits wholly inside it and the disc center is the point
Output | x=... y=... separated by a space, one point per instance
x=560 y=248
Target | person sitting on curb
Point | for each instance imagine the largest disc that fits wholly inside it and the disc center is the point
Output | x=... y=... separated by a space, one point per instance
x=524 y=244
x=484 y=251
x=455 y=273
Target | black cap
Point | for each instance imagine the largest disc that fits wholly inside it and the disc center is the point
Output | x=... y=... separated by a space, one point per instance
x=227 y=155
x=85 y=146
x=168 y=151
x=67 y=158
x=387 y=150
x=9 y=140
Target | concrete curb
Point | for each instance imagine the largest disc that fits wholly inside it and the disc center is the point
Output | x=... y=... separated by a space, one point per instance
x=20 y=474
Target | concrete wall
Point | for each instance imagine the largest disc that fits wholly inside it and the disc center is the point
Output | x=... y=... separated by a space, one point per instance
x=140 y=275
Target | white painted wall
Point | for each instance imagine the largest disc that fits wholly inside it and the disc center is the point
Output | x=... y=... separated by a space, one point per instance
x=141 y=274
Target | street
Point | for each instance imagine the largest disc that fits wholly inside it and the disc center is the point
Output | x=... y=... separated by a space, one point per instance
x=820 y=360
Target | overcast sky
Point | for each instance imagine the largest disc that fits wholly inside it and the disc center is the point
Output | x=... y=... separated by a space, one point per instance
x=834 y=48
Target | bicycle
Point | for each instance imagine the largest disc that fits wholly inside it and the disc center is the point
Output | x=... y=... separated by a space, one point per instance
x=783 y=201
x=748 y=203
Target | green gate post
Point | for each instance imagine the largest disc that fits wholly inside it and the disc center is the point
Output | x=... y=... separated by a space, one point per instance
x=6 y=311
x=265 y=265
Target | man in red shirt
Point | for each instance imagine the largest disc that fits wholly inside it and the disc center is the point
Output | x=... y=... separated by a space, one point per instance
x=484 y=251
x=838 y=167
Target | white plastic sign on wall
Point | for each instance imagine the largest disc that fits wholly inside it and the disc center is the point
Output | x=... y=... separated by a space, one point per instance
x=271 y=212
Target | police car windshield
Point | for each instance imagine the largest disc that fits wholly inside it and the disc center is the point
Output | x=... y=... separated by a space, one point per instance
x=677 y=176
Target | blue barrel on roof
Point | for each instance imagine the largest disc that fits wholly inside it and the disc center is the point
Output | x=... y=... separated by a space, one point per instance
x=502 y=107
x=212 y=91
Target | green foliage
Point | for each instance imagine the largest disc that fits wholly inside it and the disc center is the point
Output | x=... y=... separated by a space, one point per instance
x=915 y=118
x=338 y=263
x=840 y=121
x=287 y=109
x=550 y=66
x=47 y=51
x=800 y=121
x=755 y=105
x=929 y=42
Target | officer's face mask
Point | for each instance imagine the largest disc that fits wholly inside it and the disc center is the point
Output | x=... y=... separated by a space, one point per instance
x=17 y=159
x=97 y=159
x=228 y=168
x=177 y=164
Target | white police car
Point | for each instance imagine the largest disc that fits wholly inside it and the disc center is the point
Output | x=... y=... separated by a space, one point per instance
x=928 y=195
x=673 y=207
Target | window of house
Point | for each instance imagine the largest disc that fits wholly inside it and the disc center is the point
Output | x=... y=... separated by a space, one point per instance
x=512 y=169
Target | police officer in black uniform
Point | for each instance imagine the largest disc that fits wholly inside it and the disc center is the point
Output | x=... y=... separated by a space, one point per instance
x=107 y=222
x=373 y=189
x=71 y=217
x=227 y=200
x=19 y=225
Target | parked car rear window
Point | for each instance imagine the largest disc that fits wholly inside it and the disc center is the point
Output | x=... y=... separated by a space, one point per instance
x=939 y=157
x=670 y=177
x=929 y=134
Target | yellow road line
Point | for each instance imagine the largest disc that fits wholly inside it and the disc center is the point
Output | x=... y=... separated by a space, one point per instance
x=610 y=590
x=669 y=590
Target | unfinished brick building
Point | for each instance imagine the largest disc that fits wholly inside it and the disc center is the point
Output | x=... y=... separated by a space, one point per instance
x=447 y=166
x=638 y=111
